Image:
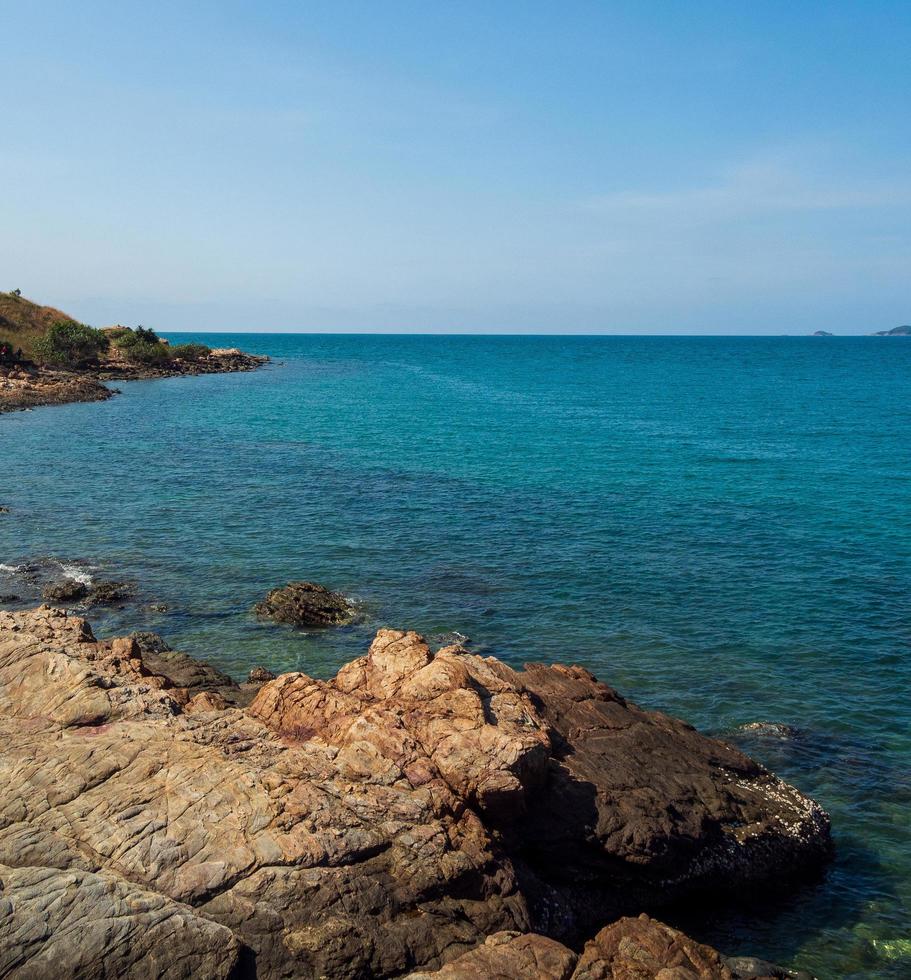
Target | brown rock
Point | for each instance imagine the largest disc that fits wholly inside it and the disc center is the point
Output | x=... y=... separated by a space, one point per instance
x=66 y=590
x=73 y=923
x=109 y=593
x=205 y=701
x=363 y=826
x=508 y=956
x=259 y=675
x=642 y=948
x=630 y=949
x=305 y=604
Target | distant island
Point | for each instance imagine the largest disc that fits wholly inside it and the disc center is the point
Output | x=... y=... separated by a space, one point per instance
x=47 y=357
x=823 y=333
x=904 y=331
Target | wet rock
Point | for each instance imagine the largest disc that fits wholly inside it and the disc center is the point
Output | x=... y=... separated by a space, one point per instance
x=151 y=642
x=770 y=729
x=753 y=968
x=8 y=597
x=305 y=604
x=66 y=590
x=109 y=593
x=259 y=675
x=4 y=510
x=387 y=820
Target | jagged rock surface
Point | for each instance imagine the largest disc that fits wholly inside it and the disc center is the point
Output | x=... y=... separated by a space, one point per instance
x=387 y=820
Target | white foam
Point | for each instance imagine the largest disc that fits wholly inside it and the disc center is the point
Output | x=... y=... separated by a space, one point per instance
x=77 y=573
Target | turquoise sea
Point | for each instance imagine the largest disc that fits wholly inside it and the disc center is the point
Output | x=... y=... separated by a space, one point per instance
x=718 y=527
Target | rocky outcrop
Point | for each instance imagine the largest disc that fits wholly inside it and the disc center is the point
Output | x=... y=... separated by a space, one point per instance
x=305 y=604
x=27 y=385
x=388 y=820
x=603 y=808
x=67 y=591
x=30 y=387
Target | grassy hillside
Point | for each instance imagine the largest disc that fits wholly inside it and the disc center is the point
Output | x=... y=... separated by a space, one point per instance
x=22 y=322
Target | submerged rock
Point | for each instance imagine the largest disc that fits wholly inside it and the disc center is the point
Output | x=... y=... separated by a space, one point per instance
x=305 y=604
x=387 y=820
x=770 y=729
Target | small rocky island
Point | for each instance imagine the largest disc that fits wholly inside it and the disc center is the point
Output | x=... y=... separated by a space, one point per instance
x=904 y=331
x=48 y=358
x=305 y=604
x=433 y=813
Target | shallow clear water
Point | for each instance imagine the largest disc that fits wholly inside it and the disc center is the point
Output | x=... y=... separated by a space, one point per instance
x=717 y=527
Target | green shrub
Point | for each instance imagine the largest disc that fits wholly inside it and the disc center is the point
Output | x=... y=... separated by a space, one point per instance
x=70 y=344
x=142 y=352
x=115 y=333
x=190 y=352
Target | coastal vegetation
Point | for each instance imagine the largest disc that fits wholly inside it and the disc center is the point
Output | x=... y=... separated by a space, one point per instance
x=142 y=346
x=69 y=344
x=190 y=352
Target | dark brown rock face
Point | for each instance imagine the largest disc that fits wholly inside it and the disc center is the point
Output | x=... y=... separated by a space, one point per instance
x=390 y=819
x=66 y=590
x=109 y=593
x=305 y=604
x=640 y=809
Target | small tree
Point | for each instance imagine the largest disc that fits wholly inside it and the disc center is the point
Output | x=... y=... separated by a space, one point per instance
x=146 y=335
x=70 y=344
x=16 y=292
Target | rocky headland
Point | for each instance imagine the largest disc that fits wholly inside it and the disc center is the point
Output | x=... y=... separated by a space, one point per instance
x=49 y=358
x=418 y=812
x=30 y=385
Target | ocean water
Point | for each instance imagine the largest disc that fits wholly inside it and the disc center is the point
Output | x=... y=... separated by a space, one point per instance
x=720 y=528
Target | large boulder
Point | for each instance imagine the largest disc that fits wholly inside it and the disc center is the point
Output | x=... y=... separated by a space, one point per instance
x=387 y=820
x=305 y=604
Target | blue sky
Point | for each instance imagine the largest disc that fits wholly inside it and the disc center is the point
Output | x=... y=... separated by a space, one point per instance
x=664 y=167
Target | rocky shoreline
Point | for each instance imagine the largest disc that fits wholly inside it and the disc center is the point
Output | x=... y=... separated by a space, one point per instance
x=27 y=385
x=419 y=812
